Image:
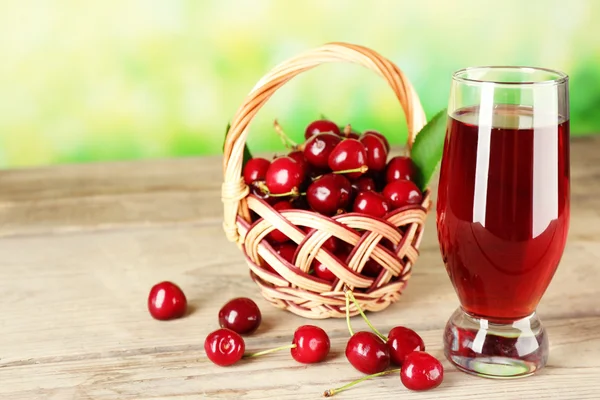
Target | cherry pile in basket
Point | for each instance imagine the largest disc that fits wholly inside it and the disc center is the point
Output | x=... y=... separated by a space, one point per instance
x=335 y=171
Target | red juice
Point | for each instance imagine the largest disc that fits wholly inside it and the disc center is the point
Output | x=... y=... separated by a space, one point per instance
x=503 y=208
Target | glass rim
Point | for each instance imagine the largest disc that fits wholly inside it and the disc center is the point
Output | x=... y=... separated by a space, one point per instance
x=559 y=76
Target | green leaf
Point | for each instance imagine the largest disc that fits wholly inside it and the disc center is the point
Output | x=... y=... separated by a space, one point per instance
x=247 y=154
x=428 y=148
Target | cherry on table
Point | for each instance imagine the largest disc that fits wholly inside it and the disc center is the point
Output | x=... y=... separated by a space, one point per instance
x=367 y=353
x=277 y=236
x=318 y=148
x=376 y=152
x=371 y=203
x=241 y=315
x=284 y=176
x=311 y=344
x=401 y=193
x=349 y=155
x=255 y=170
x=400 y=167
x=321 y=126
x=403 y=341
x=224 y=347
x=329 y=194
x=421 y=371
x=166 y=301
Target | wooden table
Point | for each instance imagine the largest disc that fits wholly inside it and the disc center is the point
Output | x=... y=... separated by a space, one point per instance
x=80 y=246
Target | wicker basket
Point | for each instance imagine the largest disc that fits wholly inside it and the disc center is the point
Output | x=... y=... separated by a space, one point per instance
x=294 y=288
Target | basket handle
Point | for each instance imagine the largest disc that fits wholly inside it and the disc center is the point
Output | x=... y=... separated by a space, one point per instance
x=234 y=190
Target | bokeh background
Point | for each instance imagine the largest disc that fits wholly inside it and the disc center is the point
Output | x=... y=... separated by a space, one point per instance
x=84 y=81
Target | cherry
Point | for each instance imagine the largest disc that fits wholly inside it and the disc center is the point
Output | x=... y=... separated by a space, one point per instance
x=371 y=203
x=321 y=269
x=380 y=136
x=311 y=344
x=376 y=152
x=351 y=135
x=401 y=193
x=349 y=155
x=403 y=341
x=284 y=175
x=224 y=347
x=321 y=126
x=241 y=315
x=298 y=156
x=363 y=183
x=400 y=167
x=318 y=148
x=277 y=236
x=372 y=268
x=264 y=195
x=367 y=353
x=329 y=194
x=166 y=301
x=255 y=170
x=421 y=371
x=286 y=250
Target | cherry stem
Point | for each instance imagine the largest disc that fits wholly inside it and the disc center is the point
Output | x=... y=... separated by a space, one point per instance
x=361 y=169
x=285 y=139
x=332 y=392
x=263 y=352
x=263 y=188
x=351 y=297
x=348 y=315
x=347 y=130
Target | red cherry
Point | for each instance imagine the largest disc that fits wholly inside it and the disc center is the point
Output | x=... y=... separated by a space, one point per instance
x=403 y=341
x=224 y=347
x=372 y=269
x=322 y=271
x=241 y=315
x=318 y=148
x=380 y=136
x=321 y=126
x=400 y=167
x=166 y=301
x=401 y=193
x=421 y=371
x=255 y=170
x=277 y=236
x=376 y=152
x=363 y=183
x=349 y=154
x=298 y=156
x=371 y=203
x=329 y=193
x=284 y=175
x=367 y=353
x=312 y=344
x=331 y=244
x=255 y=190
x=286 y=250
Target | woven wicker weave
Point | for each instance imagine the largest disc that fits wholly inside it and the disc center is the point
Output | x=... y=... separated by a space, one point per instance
x=293 y=288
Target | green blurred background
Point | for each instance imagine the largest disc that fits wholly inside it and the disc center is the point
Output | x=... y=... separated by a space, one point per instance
x=84 y=81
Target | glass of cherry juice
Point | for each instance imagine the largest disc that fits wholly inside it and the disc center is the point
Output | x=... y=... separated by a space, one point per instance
x=503 y=213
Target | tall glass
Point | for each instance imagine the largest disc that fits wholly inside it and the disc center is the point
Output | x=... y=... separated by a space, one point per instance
x=503 y=213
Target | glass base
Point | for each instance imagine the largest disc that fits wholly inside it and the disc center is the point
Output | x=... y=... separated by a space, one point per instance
x=495 y=350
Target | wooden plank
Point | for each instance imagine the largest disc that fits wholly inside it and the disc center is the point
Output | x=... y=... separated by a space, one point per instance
x=87 y=292
x=182 y=372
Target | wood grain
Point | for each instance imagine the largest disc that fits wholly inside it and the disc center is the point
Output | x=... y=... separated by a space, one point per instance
x=81 y=245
